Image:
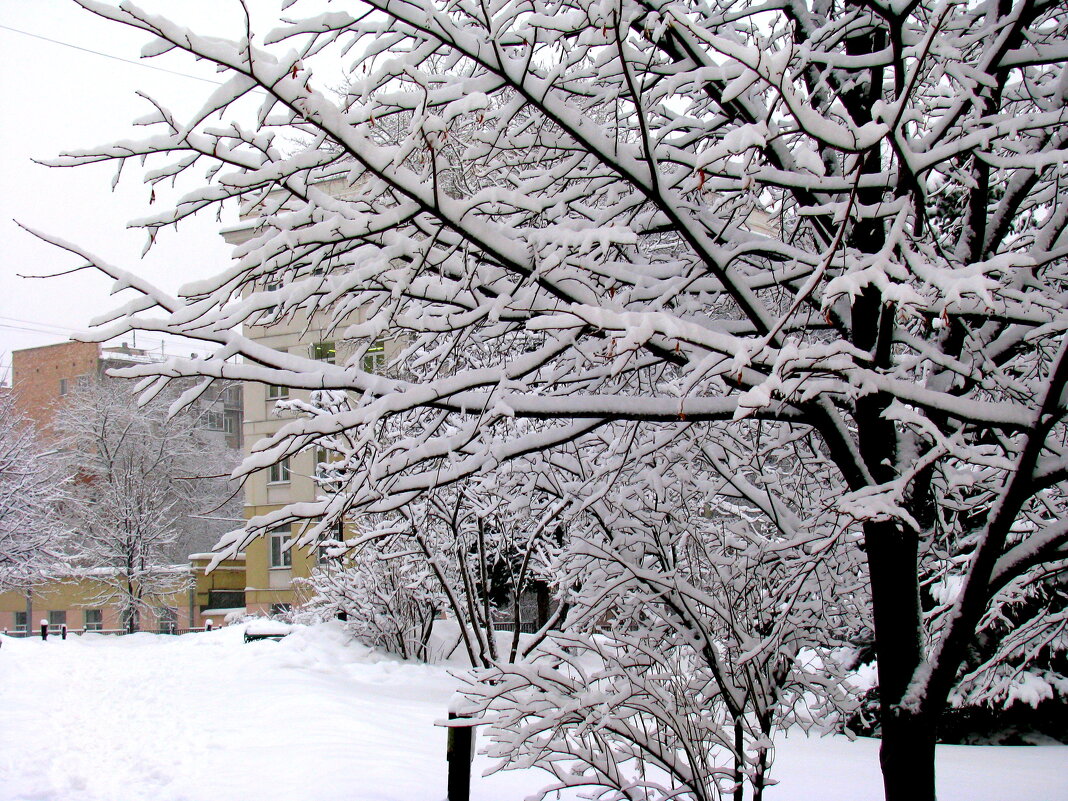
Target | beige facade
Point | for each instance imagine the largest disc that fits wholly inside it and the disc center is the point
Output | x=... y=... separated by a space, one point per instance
x=271 y=569
x=83 y=603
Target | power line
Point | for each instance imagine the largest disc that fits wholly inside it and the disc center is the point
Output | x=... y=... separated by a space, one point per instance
x=109 y=55
x=57 y=330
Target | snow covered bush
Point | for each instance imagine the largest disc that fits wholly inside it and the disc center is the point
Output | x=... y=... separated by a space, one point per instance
x=384 y=595
x=840 y=223
x=474 y=551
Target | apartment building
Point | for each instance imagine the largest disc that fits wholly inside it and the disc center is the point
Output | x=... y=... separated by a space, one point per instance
x=273 y=570
x=80 y=602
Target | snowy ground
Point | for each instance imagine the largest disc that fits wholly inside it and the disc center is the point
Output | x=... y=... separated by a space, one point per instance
x=204 y=716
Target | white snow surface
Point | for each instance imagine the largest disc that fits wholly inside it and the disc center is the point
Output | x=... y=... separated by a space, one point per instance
x=316 y=716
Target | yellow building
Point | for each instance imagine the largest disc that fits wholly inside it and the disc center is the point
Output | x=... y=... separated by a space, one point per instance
x=75 y=600
x=79 y=602
x=220 y=593
x=271 y=567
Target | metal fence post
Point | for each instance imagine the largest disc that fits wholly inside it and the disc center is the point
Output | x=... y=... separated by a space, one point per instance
x=44 y=629
x=63 y=631
x=207 y=624
x=460 y=753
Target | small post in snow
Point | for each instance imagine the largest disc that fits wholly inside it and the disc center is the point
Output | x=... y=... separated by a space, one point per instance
x=460 y=753
x=63 y=631
x=44 y=629
x=207 y=624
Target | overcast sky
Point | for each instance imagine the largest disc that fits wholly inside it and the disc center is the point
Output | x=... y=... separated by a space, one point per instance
x=57 y=97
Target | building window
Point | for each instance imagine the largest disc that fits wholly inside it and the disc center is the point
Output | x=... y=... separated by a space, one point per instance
x=230 y=423
x=280 y=555
x=57 y=619
x=278 y=473
x=168 y=620
x=322 y=461
x=213 y=420
x=226 y=599
x=20 y=621
x=63 y=386
x=275 y=392
x=374 y=360
x=94 y=620
x=324 y=351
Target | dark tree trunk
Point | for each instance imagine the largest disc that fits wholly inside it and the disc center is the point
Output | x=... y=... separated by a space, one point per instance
x=907 y=752
x=907 y=757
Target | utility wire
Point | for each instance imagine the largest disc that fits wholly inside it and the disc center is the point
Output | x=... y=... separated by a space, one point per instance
x=109 y=55
x=58 y=330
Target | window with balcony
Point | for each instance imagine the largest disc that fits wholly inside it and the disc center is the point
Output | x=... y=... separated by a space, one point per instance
x=226 y=599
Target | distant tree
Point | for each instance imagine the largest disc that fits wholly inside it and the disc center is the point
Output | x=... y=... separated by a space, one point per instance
x=138 y=479
x=842 y=221
x=30 y=486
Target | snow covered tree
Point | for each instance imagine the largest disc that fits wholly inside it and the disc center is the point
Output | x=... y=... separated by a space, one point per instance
x=695 y=629
x=844 y=221
x=30 y=485
x=137 y=482
x=480 y=550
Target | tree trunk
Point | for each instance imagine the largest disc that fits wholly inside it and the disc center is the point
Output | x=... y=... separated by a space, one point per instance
x=739 y=761
x=907 y=757
x=907 y=752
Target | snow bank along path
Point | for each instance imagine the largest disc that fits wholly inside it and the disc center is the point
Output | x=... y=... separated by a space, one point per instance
x=316 y=717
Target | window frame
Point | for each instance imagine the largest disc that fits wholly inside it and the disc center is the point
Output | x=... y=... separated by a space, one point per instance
x=276 y=392
x=277 y=558
x=325 y=351
x=280 y=472
x=93 y=625
x=374 y=358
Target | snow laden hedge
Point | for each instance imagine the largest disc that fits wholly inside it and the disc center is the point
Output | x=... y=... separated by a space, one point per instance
x=736 y=290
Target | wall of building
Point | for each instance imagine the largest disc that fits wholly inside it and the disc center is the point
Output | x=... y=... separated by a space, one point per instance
x=75 y=595
x=42 y=376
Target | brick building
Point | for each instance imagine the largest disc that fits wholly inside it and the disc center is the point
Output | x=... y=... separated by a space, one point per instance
x=42 y=376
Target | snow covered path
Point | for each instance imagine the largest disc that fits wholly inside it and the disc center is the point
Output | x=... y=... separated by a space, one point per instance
x=315 y=718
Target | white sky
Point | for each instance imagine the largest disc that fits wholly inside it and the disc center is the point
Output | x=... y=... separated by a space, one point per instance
x=55 y=98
